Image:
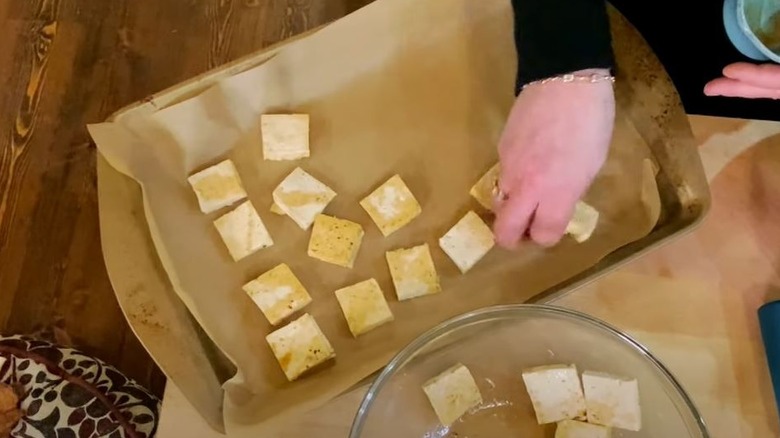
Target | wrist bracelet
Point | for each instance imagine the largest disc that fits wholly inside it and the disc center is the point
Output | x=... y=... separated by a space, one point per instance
x=591 y=79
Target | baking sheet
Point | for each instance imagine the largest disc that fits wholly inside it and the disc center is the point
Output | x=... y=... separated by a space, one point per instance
x=426 y=101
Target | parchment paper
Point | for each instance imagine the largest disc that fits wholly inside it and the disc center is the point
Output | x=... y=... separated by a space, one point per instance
x=402 y=86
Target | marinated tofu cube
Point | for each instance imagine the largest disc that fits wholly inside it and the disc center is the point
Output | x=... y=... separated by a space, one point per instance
x=583 y=223
x=335 y=240
x=413 y=272
x=285 y=136
x=278 y=293
x=392 y=206
x=364 y=307
x=243 y=231
x=578 y=429
x=483 y=190
x=468 y=241
x=556 y=393
x=300 y=346
x=452 y=394
x=302 y=197
x=612 y=401
x=217 y=187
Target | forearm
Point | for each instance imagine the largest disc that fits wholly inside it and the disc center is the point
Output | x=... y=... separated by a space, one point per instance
x=560 y=36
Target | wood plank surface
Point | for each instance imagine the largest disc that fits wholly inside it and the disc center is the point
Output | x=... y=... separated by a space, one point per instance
x=66 y=63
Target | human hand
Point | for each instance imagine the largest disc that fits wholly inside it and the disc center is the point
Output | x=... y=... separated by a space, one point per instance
x=751 y=81
x=555 y=141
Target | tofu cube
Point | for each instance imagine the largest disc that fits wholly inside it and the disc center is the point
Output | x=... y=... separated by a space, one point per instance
x=276 y=210
x=302 y=197
x=578 y=429
x=483 y=190
x=413 y=272
x=468 y=241
x=278 y=293
x=335 y=240
x=243 y=231
x=556 y=393
x=452 y=394
x=285 y=136
x=217 y=187
x=300 y=346
x=392 y=206
x=364 y=306
x=583 y=223
x=612 y=401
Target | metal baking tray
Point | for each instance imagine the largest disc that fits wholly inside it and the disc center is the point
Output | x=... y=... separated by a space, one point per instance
x=189 y=358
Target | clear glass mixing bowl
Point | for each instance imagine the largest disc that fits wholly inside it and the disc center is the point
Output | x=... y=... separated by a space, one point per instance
x=496 y=344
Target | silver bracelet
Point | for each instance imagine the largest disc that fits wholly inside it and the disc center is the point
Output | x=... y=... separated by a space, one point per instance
x=571 y=77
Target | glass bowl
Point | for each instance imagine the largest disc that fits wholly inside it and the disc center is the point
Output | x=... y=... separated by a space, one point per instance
x=496 y=344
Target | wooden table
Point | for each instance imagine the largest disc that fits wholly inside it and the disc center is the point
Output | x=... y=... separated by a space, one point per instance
x=66 y=63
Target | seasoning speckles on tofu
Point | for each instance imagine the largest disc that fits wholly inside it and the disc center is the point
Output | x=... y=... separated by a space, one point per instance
x=556 y=393
x=612 y=401
x=300 y=346
x=452 y=393
x=278 y=293
x=217 y=187
x=364 y=306
x=335 y=240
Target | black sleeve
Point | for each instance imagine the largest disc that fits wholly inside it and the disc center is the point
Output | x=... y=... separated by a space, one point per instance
x=560 y=36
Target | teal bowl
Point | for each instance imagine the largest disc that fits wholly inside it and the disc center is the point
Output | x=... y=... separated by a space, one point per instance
x=742 y=19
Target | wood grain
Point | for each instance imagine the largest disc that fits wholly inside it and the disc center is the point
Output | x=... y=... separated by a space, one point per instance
x=66 y=63
x=14 y=159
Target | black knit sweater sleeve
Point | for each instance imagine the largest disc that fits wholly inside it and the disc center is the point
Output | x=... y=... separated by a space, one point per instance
x=560 y=36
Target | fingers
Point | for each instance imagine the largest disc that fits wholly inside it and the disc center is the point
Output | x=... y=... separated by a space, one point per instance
x=751 y=81
x=550 y=220
x=512 y=218
x=759 y=75
x=735 y=88
x=544 y=222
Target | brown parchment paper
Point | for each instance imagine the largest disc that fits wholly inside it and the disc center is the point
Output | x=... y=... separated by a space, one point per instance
x=401 y=86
